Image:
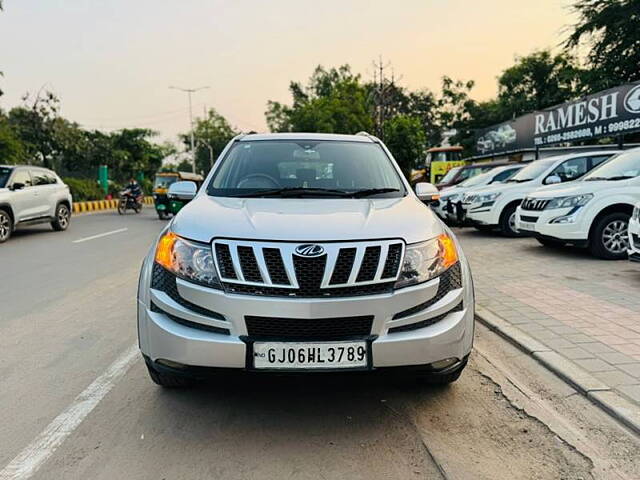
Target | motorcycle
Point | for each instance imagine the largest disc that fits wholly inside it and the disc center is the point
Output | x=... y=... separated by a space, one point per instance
x=128 y=201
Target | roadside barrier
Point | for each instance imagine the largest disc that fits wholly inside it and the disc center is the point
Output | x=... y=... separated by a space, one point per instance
x=96 y=205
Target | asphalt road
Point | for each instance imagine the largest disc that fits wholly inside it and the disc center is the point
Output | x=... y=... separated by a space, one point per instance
x=76 y=403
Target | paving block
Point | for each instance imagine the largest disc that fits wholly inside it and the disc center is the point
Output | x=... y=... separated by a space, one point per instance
x=570 y=372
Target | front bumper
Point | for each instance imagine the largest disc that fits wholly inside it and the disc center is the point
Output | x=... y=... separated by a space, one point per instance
x=161 y=338
x=538 y=223
x=482 y=215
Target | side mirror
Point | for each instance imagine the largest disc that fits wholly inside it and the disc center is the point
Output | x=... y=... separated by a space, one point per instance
x=183 y=190
x=552 y=180
x=17 y=186
x=427 y=192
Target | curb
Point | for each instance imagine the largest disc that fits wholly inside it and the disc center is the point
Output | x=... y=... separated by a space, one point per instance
x=96 y=205
x=595 y=390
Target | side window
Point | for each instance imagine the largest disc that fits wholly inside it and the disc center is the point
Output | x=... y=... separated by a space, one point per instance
x=23 y=177
x=595 y=161
x=51 y=178
x=570 y=169
x=39 y=178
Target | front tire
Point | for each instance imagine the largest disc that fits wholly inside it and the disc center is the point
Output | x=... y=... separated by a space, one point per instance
x=62 y=218
x=508 y=221
x=121 y=208
x=609 y=238
x=6 y=226
x=169 y=380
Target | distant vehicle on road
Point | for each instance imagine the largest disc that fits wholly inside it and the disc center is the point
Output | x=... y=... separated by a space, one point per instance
x=593 y=212
x=165 y=206
x=31 y=195
x=495 y=206
x=438 y=161
x=634 y=234
x=305 y=253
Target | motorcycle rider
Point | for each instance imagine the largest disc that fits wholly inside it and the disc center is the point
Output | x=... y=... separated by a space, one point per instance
x=133 y=191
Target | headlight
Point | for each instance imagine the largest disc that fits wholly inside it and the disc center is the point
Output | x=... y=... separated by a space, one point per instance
x=454 y=198
x=469 y=198
x=487 y=197
x=186 y=259
x=426 y=260
x=568 y=202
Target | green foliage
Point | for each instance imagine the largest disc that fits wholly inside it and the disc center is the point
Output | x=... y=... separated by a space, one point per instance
x=404 y=136
x=11 y=148
x=611 y=31
x=333 y=101
x=83 y=189
x=211 y=135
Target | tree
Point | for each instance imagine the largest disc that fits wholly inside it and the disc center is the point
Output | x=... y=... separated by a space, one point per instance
x=405 y=138
x=211 y=136
x=538 y=81
x=611 y=29
x=333 y=101
x=11 y=148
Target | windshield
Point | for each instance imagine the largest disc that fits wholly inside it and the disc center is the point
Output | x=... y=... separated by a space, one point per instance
x=5 y=173
x=472 y=172
x=306 y=167
x=481 y=179
x=623 y=166
x=450 y=175
x=533 y=171
x=164 y=181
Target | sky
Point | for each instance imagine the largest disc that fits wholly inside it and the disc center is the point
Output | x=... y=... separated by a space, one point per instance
x=111 y=62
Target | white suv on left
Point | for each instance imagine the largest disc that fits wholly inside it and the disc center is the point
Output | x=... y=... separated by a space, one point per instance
x=593 y=212
x=31 y=195
x=634 y=235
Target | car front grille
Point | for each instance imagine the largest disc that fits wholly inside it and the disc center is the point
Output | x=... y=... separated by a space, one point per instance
x=308 y=328
x=533 y=204
x=525 y=218
x=449 y=280
x=277 y=269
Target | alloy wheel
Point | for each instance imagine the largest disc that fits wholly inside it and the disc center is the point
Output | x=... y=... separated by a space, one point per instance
x=512 y=222
x=63 y=216
x=5 y=226
x=615 y=237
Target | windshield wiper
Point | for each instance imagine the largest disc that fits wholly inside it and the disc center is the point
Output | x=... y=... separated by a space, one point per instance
x=618 y=177
x=294 y=191
x=373 y=191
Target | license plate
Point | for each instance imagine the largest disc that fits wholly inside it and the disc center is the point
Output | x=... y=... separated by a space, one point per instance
x=309 y=356
x=527 y=226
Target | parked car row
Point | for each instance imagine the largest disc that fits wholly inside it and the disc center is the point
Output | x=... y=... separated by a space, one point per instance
x=31 y=195
x=581 y=199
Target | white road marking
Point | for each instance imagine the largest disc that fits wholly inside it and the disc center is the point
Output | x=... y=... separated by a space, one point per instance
x=100 y=235
x=29 y=460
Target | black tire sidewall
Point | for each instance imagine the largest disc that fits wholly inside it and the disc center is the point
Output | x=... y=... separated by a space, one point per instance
x=56 y=223
x=505 y=229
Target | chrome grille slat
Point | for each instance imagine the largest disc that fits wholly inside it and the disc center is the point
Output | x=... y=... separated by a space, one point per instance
x=342 y=265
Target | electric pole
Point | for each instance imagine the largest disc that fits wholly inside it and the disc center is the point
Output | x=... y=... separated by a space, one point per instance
x=189 y=91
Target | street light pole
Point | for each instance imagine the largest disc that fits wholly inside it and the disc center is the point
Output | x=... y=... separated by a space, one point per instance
x=189 y=91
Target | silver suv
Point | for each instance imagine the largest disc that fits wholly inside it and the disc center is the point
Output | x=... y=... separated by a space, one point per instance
x=30 y=195
x=305 y=253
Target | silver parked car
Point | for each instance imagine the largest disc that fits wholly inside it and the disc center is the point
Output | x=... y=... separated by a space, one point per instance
x=305 y=253
x=30 y=195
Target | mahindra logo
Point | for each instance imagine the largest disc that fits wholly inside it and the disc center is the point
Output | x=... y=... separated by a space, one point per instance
x=632 y=100
x=309 y=250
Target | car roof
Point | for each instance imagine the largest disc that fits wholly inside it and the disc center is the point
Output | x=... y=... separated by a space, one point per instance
x=362 y=138
x=27 y=166
x=498 y=163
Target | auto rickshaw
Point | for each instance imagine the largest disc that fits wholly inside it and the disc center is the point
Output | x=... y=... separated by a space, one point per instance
x=166 y=206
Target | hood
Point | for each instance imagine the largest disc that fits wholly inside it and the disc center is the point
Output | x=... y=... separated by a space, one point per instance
x=501 y=187
x=566 y=189
x=306 y=220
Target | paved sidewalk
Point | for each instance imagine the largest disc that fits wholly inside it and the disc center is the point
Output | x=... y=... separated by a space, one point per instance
x=585 y=309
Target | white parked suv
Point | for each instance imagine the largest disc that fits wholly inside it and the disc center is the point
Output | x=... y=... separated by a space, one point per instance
x=593 y=212
x=450 y=207
x=305 y=253
x=495 y=206
x=30 y=195
x=634 y=235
